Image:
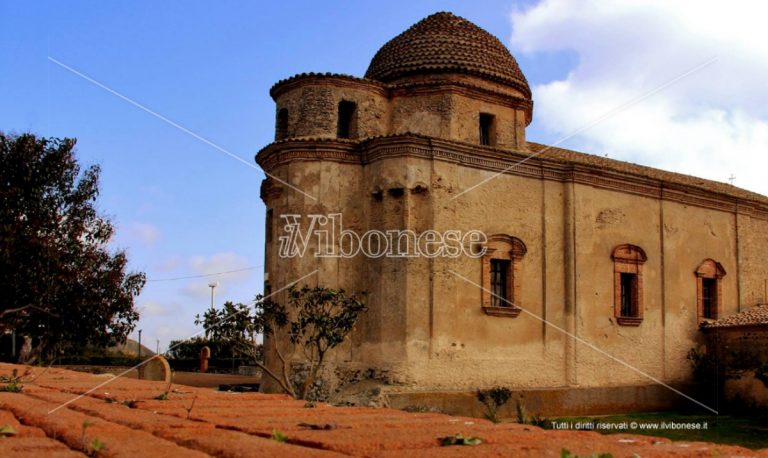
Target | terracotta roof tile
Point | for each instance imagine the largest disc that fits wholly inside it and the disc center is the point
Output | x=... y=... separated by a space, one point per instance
x=444 y=42
x=757 y=315
x=203 y=422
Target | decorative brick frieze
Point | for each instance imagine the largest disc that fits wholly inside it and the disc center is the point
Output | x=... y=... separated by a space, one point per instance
x=506 y=162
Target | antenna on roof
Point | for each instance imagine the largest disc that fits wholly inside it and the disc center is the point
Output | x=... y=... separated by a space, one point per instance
x=731 y=178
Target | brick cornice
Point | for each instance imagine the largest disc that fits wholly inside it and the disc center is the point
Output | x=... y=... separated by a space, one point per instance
x=326 y=79
x=502 y=161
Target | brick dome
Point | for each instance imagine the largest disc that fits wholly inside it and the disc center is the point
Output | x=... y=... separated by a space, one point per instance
x=444 y=42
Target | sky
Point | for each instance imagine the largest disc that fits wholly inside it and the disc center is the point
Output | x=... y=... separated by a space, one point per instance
x=171 y=99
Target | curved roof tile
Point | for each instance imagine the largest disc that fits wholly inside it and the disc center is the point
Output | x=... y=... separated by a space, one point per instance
x=444 y=42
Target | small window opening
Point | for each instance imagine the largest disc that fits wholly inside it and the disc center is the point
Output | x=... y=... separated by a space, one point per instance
x=709 y=297
x=500 y=283
x=268 y=224
x=282 y=124
x=628 y=294
x=486 y=129
x=346 y=119
x=396 y=192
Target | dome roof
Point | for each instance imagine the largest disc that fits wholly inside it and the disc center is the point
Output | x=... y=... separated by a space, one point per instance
x=444 y=42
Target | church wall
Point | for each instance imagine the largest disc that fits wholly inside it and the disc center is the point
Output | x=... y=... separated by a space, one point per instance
x=426 y=114
x=337 y=188
x=467 y=347
x=753 y=256
x=381 y=329
x=692 y=234
x=508 y=129
x=425 y=326
x=605 y=219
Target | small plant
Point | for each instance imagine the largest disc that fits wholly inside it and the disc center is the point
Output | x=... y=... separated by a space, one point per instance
x=525 y=419
x=522 y=413
x=130 y=403
x=458 y=439
x=162 y=396
x=12 y=382
x=279 y=437
x=493 y=400
x=7 y=430
x=83 y=427
x=310 y=405
x=191 y=406
x=96 y=446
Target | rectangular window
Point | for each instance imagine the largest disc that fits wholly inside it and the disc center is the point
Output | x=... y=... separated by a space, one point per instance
x=628 y=294
x=709 y=297
x=500 y=283
x=346 y=119
x=282 y=124
x=486 y=129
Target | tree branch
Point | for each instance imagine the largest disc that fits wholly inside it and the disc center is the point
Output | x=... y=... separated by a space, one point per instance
x=28 y=306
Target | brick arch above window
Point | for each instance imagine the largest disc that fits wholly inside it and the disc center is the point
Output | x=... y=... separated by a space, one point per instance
x=629 y=254
x=515 y=245
x=628 y=263
x=501 y=277
x=709 y=268
x=709 y=289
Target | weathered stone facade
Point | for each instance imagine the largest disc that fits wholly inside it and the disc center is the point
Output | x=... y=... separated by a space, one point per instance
x=446 y=120
x=737 y=349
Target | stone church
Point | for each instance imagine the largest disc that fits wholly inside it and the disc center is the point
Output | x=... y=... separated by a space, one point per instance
x=593 y=278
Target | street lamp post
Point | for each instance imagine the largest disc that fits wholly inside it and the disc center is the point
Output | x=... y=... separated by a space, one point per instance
x=213 y=286
x=139 y=344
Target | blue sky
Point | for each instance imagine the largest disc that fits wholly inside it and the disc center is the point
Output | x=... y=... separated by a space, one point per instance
x=182 y=208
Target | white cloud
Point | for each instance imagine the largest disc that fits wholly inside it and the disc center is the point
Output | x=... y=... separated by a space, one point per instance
x=711 y=123
x=221 y=262
x=144 y=232
x=218 y=263
x=200 y=292
x=153 y=308
x=169 y=264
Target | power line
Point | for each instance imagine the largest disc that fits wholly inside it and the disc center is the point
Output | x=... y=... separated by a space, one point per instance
x=205 y=275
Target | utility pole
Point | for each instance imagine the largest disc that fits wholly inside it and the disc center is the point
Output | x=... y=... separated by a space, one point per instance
x=139 y=356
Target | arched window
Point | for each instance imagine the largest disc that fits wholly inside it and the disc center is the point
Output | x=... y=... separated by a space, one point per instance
x=628 y=263
x=709 y=291
x=502 y=282
x=347 y=127
x=281 y=130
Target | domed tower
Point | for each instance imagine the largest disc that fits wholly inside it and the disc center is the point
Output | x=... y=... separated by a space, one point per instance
x=448 y=78
x=383 y=153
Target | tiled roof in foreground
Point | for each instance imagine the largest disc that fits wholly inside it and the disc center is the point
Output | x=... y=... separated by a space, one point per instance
x=129 y=418
x=756 y=316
